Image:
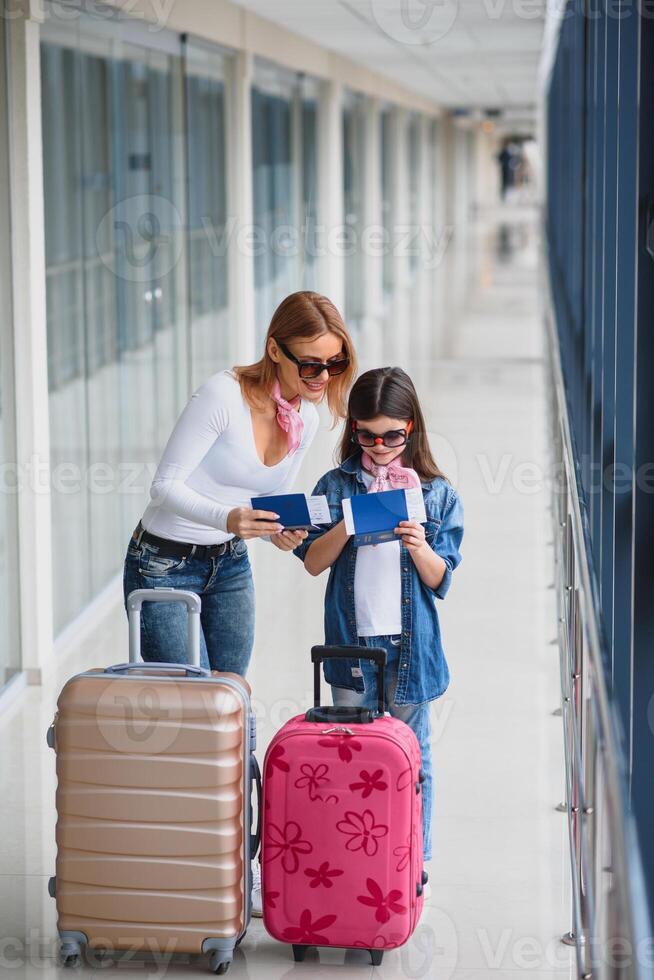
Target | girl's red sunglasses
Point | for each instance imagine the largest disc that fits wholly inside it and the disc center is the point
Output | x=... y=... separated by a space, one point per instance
x=392 y=439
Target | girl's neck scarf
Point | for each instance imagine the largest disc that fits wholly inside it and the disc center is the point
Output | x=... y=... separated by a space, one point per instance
x=393 y=476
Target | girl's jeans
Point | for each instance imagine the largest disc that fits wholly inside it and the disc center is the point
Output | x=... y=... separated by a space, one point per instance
x=416 y=716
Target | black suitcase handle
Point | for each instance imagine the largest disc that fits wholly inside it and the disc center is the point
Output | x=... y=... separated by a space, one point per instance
x=255 y=777
x=345 y=714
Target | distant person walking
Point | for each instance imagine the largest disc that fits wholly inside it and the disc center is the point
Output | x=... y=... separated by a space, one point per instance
x=507 y=169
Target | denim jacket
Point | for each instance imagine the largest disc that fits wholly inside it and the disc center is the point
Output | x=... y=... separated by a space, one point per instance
x=423 y=673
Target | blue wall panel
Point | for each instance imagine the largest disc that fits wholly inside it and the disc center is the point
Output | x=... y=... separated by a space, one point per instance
x=600 y=181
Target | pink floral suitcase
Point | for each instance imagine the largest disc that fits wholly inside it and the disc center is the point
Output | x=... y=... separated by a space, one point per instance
x=342 y=857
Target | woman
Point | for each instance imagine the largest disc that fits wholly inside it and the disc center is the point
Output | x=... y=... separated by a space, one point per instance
x=243 y=433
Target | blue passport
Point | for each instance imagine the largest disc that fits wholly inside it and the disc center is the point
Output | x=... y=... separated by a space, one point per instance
x=293 y=509
x=374 y=516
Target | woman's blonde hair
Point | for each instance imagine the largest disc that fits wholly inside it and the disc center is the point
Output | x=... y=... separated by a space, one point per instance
x=301 y=316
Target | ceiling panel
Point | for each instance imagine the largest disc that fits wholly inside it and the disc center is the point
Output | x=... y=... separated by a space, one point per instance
x=460 y=53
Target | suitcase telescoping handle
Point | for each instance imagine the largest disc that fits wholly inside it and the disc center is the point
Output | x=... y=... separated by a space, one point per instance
x=193 y=604
x=189 y=670
x=345 y=715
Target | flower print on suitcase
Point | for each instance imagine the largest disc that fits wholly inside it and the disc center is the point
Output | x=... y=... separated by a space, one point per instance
x=287 y=844
x=363 y=832
x=316 y=781
x=369 y=782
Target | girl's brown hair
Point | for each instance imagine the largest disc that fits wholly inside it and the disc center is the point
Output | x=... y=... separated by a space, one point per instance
x=301 y=316
x=390 y=391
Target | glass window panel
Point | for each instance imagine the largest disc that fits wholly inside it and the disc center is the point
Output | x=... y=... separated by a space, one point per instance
x=309 y=140
x=413 y=170
x=434 y=174
x=116 y=286
x=62 y=146
x=278 y=194
x=100 y=315
x=207 y=211
x=166 y=189
x=353 y=183
x=387 y=202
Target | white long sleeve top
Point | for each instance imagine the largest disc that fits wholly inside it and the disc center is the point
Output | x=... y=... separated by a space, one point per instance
x=211 y=465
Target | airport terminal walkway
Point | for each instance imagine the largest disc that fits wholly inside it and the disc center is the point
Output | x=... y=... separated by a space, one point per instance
x=500 y=874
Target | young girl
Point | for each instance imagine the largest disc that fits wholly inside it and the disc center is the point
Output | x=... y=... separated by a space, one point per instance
x=384 y=595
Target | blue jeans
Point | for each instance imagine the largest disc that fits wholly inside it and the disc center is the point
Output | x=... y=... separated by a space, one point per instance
x=226 y=588
x=416 y=716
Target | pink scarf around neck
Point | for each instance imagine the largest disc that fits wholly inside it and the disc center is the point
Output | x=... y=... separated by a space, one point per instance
x=288 y=418
x=394 y=476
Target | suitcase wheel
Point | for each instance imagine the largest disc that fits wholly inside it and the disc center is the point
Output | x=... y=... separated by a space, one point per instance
x=299 y=952
x=217 y=964
x=70 y=950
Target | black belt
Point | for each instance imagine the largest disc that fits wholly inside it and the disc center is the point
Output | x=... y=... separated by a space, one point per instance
x=179 y=549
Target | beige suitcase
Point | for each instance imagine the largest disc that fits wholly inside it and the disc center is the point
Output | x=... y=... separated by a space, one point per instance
x=155 y=768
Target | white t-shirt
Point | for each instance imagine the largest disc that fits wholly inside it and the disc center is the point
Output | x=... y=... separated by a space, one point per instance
x=378 y=586
x=211 y=465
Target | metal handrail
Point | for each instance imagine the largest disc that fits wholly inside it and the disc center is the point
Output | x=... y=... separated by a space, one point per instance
x=609 y=904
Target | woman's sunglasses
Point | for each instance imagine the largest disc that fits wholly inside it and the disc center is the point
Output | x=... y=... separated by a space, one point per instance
x=392 y=439
x=313 y=369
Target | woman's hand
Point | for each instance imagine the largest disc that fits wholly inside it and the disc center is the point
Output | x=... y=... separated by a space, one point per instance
x=247 y=523
x=412 y=534
x=288 y=540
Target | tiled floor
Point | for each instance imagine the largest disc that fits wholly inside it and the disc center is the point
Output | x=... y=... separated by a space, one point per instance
x=500 y=878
